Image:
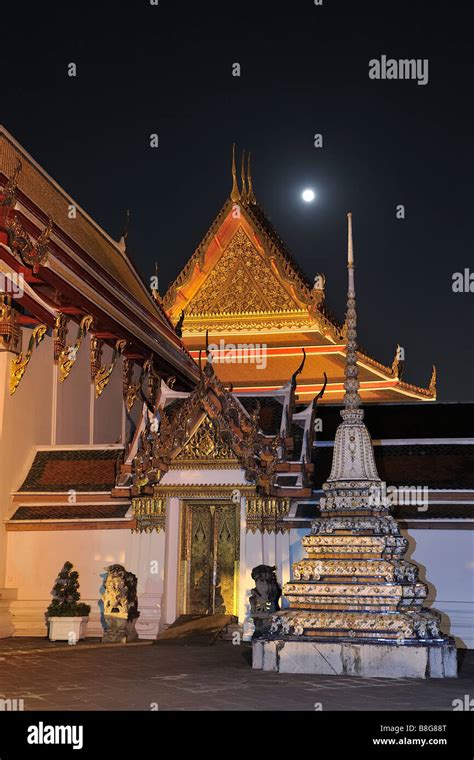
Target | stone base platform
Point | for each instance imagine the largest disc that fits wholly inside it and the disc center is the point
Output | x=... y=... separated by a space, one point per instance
x=355 y=658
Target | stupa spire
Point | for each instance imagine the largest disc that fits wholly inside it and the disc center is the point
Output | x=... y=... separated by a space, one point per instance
x=355 y=595
x=352 y=400
x=235 y=195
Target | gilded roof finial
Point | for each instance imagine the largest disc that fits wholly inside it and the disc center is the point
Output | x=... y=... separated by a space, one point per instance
x=235 y=195
x=397 y=364
x=244 y=191
x=123 y=237
x=250 y=194
x=155 y=292
x=432 y=386
x=352 y=400
x=126 y=225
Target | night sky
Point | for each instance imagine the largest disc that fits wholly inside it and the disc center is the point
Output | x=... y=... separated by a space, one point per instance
x=144 y=69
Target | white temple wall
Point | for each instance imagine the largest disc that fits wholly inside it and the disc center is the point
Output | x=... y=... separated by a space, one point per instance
x=34 y=559
x=25 y=421
x=446 y=561
x=74 y=397
x=44 y=412
x=108 y=409
x=264 y=549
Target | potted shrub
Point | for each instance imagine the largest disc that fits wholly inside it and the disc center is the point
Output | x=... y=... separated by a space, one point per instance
x=67 y=616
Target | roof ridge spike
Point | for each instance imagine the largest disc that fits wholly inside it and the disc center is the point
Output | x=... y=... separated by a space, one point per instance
x=244 y=193
x=235 y=195
x=250 y=194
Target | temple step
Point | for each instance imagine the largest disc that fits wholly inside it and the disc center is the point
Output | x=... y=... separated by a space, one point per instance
x=201 y=630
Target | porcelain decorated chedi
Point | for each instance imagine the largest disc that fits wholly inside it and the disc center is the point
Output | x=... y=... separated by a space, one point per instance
x=355 y=583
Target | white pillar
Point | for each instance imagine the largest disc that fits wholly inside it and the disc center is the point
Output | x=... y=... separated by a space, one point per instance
x=243 y=561
x=170 y=599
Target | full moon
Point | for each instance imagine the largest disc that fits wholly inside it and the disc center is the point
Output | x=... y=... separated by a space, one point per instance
x=308 y=195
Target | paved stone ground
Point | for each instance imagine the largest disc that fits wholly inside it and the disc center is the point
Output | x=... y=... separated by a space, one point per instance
x=91 y=676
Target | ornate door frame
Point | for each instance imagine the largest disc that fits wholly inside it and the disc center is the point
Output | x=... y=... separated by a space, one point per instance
x=229 y=588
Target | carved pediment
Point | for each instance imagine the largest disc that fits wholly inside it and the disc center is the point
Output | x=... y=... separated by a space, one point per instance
x=210 y=428
x=205 y=446
x=241 y=281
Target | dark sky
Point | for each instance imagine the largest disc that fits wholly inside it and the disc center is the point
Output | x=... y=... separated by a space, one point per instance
x=304 y=70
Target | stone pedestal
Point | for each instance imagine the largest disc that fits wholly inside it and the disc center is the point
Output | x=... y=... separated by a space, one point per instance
x=354 y=658
x=119 y=630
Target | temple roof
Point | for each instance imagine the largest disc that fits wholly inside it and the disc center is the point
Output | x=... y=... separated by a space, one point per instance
x=244 y=286
x=72 y=266
x=42 y=190
x=407 y=421
x=71 y=486
x=71 y=512
x=79 y=469
x=434 y=466
x=415 y=445
x=304 y=513
x=238 y=246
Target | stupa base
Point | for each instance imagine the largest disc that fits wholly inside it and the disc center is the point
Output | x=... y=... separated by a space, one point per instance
x=417 y=659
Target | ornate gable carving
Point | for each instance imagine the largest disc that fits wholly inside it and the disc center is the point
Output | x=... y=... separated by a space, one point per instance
x=205 y=446
x=241 y=281
x=232 y=431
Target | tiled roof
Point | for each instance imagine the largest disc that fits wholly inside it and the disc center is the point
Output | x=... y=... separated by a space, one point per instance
x=419 y=420
x=435 y=512
x=71 y=511
x=453 y=511
x=48 y=196
x=436 y=466
x=78 y=469
x=431 y=465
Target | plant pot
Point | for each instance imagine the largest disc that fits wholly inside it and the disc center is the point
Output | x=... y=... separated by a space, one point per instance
x=67 y=628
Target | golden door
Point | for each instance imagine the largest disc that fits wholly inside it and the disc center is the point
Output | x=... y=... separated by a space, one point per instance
x=210 y=558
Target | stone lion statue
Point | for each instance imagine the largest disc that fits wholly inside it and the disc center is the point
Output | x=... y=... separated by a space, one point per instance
x=264 y=598
x=120 y=605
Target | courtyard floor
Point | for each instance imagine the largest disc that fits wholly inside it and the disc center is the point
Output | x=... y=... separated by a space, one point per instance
x=141 y=676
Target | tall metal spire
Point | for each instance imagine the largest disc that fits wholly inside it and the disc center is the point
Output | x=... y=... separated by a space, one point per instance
x=352 y=400
x=235 y=195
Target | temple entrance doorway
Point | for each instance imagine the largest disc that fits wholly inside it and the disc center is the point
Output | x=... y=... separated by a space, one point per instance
x=209 y=566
